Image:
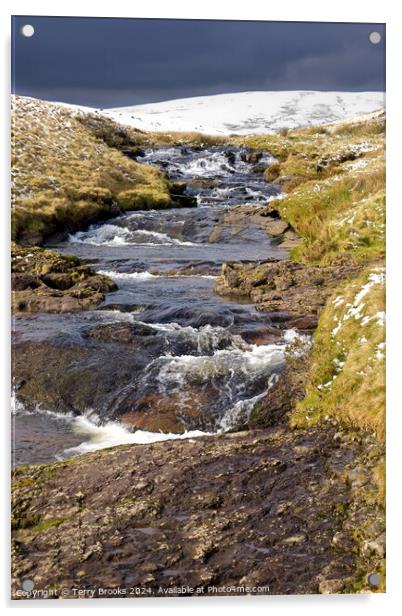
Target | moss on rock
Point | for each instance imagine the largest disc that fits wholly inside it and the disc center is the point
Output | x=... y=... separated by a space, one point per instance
x=45 y=281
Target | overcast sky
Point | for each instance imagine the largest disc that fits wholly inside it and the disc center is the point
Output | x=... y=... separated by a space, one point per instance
x=116 y=62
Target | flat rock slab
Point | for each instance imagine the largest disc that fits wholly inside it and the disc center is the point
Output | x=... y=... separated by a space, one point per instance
x=252 y=509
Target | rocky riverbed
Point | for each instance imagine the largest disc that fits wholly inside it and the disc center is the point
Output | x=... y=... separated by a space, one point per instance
x=161 y=351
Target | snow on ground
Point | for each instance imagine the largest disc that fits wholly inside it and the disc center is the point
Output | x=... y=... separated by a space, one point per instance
x=355 y=310
x=249 y=112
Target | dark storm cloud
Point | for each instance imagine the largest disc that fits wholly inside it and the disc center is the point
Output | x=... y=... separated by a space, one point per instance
x=114 y=62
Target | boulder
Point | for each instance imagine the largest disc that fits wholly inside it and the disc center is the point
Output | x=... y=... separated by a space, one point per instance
x=252 y=157
x=276 y=227
x=231 y=157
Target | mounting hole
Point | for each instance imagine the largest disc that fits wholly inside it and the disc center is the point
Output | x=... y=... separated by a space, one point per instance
x=28 y=585
x=375 y=38
x=374 y=580
x=27 y=30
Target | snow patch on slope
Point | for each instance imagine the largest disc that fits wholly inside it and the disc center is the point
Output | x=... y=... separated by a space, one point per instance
x=249 y=112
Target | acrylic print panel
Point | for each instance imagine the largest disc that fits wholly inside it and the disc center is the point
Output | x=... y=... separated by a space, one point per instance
x=198 y=216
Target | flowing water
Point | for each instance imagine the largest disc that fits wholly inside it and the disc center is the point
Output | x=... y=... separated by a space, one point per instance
x=198 y=348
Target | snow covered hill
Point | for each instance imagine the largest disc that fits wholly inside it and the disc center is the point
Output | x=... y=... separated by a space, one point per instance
x=249 y=112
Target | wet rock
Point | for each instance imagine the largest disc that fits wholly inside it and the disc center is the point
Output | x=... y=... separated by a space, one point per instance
x=183 y=200
x=178 y=188
x=72 y=376
x=288 y=388
x=124 y=333
x=24 y=281
x=203 y=182
x=59 y=281
x=252 y=157
x=158 y=412
x=238 y=218
x=260 y=335
x=133 y=152
x=207 y=268
x=273 y=408
x=215 y=235
x=179 y=195
x=231 y=157
x=303 y=323
x=119 y=367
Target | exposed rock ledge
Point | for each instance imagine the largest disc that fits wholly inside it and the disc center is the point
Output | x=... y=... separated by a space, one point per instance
x=292 y=510
x=298 y=291
x=236 y=218
x=44 y=281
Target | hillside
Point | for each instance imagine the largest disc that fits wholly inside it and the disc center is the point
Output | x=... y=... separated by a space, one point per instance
x=246 y=113
x=64 y=177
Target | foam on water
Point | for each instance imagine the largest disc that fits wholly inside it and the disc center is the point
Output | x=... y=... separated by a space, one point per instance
x=148 y=275
x=248 y=362
x=112 y=433
x=206 y=166
x=157 y=238
x=239 y=413
x=245 y=373
x=232 y=174
x=124 y=276
x=114 y=235
x=207 y=338
x=105 y=234
x=97 y=434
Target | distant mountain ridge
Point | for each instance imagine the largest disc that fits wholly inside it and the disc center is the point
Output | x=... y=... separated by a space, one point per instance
x=249 y=112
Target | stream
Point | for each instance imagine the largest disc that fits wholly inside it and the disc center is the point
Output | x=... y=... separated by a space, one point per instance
x=212 y=356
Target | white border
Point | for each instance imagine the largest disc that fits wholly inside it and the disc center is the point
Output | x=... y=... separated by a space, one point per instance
x=292 y=10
